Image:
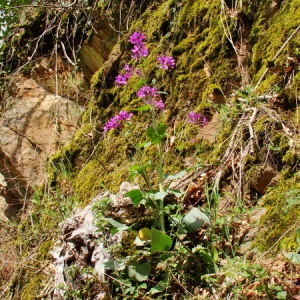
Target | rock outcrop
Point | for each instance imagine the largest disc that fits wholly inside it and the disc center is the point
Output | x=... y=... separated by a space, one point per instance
x=33 y=124
x=82 y=245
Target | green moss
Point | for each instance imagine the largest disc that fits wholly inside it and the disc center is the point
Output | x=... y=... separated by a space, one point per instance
x=33 y=280
x=270 y=36
x=184 y=45
x=213 y=89
x=277 y=226
x=33 y=288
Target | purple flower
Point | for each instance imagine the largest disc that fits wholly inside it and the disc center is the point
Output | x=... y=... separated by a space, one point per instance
x=127 y=68
x=166 y=62
x=137 y=38
x=195 y=118
x=117 y=121
x=147 y=92
x=139 y=51
x=151 y=97
x=122 y=78
x=159 y=104
x=138 y=72
x=204 y=121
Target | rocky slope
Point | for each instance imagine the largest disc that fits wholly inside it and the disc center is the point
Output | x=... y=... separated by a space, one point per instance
x=237 y=66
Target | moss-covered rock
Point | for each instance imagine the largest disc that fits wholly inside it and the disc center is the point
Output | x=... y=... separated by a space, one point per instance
x=281 y=220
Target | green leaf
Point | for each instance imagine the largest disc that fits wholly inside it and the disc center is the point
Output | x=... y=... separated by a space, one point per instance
x=153 y=135
x=118 y=226
x=293 y=257
x=144 y=108
x=161 y=128
x=117 y=265
x=160 y=195
x=144 y=145
x=281 y=295
x=160 y=241
x=139 y=272
x=175 y=192
x=140 y=169
x=195 y=219
x=176 y=176
x=156 y=135
x=136 y=196
x=160 y=287
x=140 y=83
x=137 y=170
x=209 y=260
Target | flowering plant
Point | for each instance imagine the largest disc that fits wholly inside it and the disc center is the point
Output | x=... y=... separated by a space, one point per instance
x=118 y=120
x=155 y=133
x=195 y=118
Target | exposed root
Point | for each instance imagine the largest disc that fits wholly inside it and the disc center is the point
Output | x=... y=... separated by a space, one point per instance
x=245 y=142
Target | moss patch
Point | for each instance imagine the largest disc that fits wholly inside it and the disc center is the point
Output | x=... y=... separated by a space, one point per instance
x=278 y=225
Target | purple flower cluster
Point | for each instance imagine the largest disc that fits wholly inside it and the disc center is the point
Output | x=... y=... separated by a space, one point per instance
x=139 y=49
x=195 y=118
x=158 y=104
x=116 y=121
x=122 y=78
x=137 y=38
x=166 y=62
x=146 y=92
x=151 y=96
x=126 y=74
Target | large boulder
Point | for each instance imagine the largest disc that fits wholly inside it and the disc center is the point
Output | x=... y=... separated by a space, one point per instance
x=33 y=125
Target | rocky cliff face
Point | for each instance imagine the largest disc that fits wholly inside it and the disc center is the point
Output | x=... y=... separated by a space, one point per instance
x=235 y=64
x=34 y=124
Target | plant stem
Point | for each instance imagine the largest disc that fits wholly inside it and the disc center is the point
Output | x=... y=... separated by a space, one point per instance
x=160 y=181
x=160 y=166
x=160 y=173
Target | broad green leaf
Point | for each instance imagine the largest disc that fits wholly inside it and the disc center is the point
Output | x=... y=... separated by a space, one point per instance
x=117 y=265
x=160 y=241
x=156 y=135
x=160 y=287
x=293 y=257
x=137 y=168
x=176 y=176
x=161 y=128
x=195 y=219
x=139 y=272
x=153 y=135
x=281 y=295
x=157 y=289
x=160 y=195
x=136 y=196
x=144 y=108
x=118 y=226
x=176 y=193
